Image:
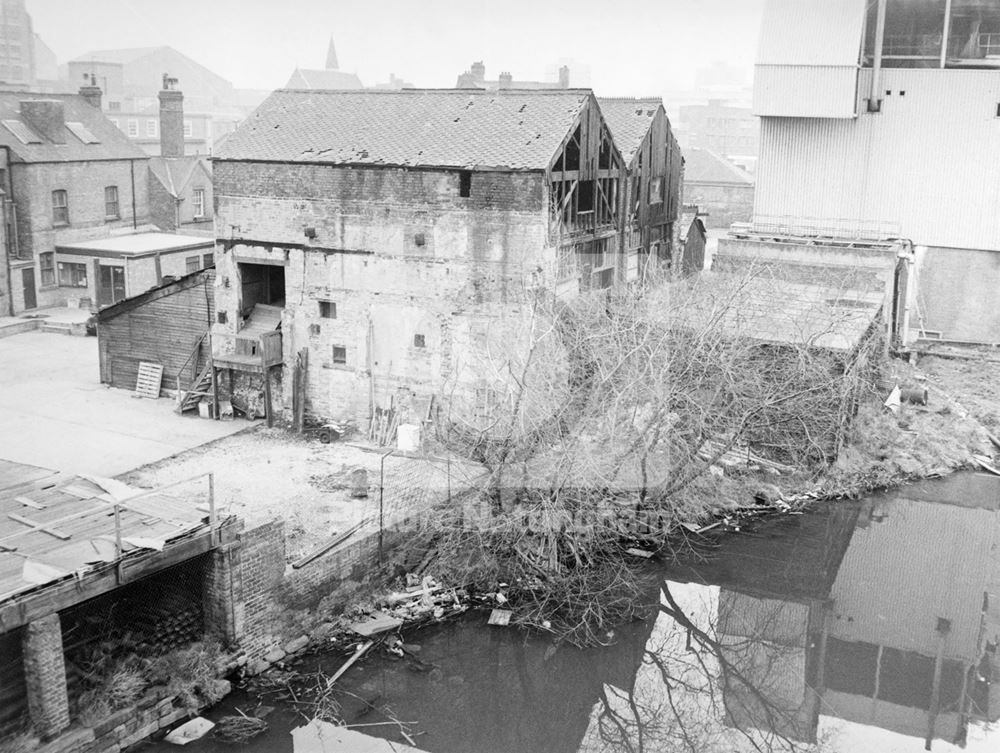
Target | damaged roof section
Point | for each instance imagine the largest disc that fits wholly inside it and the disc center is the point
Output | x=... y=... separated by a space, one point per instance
x=778 y=311
x=629 y=120
x=60 y=527
x=459 y=129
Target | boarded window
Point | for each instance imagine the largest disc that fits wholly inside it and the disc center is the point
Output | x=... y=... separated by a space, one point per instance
x=192 y=264
x=465 y=184
x=339 y=354
x=207 y=260
x=328 y=309
x=419 y=341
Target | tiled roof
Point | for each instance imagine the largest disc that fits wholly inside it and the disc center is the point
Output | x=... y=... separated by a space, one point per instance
x=175 y=172
x=705 y=166
x=518 y=130
x=305 y=78
x=629 y=121
x=111 y=142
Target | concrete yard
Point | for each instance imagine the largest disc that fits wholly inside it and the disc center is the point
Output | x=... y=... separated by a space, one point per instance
x=55 y=413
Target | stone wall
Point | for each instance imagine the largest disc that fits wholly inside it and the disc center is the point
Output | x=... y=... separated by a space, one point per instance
x=408 y=272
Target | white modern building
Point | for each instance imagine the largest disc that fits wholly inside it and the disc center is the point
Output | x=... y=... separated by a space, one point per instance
x=880 y=128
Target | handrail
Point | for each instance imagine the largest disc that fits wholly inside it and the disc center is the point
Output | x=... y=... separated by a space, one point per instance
x=193 y=354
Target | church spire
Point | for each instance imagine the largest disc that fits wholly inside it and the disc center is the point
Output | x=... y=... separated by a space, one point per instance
x=331 y=57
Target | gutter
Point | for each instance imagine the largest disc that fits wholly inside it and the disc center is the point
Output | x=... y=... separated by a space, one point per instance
x=131 y=167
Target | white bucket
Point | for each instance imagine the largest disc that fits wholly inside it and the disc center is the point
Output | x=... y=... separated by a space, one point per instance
x=408 y=438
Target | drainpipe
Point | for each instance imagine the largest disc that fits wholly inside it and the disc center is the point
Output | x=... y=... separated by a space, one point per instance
x=131 y=167
x=6 y=253
x=876 y=87
x=945 y=33
x=908 y=254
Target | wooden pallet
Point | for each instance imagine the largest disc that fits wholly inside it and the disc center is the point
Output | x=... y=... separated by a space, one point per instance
x=147 y=383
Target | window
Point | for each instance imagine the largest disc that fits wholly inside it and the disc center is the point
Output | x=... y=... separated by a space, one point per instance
x=199 y=203
x=151 y=127
x=188 y=129
x=133 y=128
x=419 y=341
x=114 y=106
x=72 y=275
x=111 y=203
x=115 y=122
x=207 y=260
x=655 y=190
x=465 y=184
x=192 y=264
x=47 y=264
x=328 y=309
x=60 y=208
x=339 y=354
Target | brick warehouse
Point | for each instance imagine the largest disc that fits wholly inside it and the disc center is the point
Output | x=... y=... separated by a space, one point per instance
x=390 y=230
x=70 y=176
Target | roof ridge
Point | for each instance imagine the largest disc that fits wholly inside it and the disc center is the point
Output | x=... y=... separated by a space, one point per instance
x=442 y=90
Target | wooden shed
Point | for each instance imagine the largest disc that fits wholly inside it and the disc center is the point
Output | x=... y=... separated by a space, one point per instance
x=165 y=325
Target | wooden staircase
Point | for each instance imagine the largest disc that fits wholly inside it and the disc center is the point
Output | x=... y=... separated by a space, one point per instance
x=200 y=387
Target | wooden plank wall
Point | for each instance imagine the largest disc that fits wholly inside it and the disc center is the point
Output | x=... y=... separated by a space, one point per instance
x=164 y=330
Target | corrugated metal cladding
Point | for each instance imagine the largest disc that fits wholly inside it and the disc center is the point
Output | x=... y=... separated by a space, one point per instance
x=807 y=58
x=923 y=561
x=811 y=32
x=804 y=91
x=926 y=163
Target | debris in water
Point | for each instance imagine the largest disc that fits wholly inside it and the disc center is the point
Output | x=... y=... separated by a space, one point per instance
x=238 y=729
x=189 y=731
x=639 y=553
x=500 y=617
x=322 y=737
x=379 y=622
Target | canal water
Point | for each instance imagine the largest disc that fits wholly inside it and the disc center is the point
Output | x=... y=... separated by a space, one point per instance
x=860 y=626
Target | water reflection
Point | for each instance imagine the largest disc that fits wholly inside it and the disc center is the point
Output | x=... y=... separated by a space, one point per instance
x=864 y=626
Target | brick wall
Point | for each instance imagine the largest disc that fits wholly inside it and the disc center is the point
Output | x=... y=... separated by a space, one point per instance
x=412 y=267
x=261 y=569
x=45 y=676
x=84 y=183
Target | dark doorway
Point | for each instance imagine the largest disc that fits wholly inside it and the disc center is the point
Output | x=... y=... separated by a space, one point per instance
x=261 y=283
x=28 y=281
x=110 y=285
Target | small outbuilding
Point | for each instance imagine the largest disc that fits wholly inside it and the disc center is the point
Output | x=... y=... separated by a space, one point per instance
x=109 y=270
x=166 y=326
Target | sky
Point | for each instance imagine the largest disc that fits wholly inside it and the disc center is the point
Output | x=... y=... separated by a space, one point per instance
x=619 y=47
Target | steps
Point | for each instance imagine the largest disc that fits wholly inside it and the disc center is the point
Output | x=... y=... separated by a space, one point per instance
x=197 y=390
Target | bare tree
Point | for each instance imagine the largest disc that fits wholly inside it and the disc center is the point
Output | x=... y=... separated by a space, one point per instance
x=599 y=420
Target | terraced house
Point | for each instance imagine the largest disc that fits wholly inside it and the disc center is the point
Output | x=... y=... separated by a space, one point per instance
x=384 y=232
x=67 y=175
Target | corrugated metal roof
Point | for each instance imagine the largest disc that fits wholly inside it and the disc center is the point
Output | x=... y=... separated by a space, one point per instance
x=518 y=130
x=811 y=32
x=59 y=527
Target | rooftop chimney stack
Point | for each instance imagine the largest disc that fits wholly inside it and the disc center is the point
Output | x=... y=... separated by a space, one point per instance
x=564 y=77
x=506 y=80
x=90 y=91
x=478 y=71
x=46 y=117
x=171 y=119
